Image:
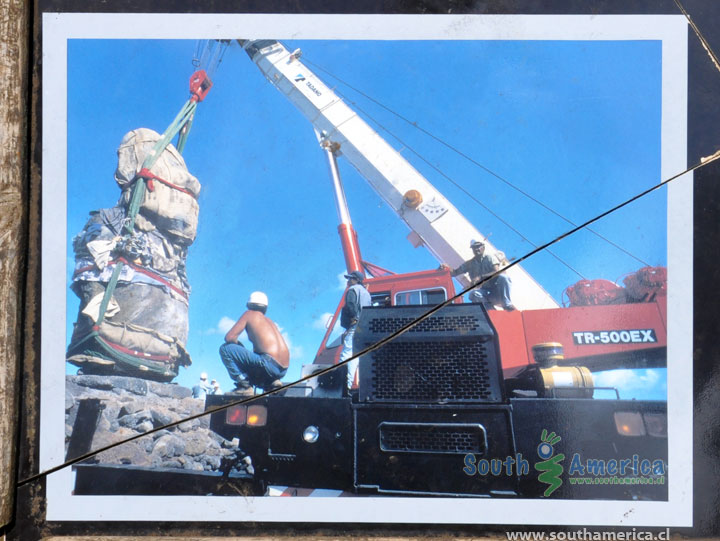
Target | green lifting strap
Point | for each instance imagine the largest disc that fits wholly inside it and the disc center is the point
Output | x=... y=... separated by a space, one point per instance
x=184 y=116
x=181 y=122
x=183 y=135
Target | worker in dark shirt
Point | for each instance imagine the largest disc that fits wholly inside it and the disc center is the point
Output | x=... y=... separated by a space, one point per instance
x=494 y=291
x=355 y=298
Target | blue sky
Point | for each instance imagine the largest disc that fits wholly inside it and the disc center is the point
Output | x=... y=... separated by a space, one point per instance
x=575 y=124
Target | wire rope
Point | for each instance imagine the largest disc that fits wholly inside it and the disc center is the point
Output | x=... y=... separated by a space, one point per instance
x=475 y=162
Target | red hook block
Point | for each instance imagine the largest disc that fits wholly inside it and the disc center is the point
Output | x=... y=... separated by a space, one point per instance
x=200 y=85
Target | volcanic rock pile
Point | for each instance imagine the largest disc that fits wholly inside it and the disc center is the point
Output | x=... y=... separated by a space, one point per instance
x=133 y=406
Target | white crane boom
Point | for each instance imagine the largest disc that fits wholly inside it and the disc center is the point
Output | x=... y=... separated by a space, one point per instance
x=436 y=222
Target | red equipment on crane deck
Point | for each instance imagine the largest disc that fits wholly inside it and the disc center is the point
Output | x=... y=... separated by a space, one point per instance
x=647 y=284
x=594 y=292
x=644 y=285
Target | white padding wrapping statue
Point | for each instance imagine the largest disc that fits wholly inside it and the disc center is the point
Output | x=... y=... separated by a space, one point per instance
x=144 y=331
x=170 y=206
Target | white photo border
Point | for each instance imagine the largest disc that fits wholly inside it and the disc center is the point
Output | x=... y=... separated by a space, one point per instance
x=672 y=30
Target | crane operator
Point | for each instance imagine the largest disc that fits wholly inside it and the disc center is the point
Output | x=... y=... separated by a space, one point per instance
x=494 y=291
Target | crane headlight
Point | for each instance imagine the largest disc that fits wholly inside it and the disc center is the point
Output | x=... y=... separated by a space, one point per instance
x=629 y=423
x=256 y=415
x=242 y=415
x=311 y=434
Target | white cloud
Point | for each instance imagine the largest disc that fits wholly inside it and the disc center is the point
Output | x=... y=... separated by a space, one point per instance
x=222 y=327
x=320 y=322
x=627 y=379
x=225 y=324
x=296 y=352
x=342 y=281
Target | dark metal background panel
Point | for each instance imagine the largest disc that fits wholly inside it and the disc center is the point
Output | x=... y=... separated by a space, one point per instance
x=587 y=427
x=113 y=479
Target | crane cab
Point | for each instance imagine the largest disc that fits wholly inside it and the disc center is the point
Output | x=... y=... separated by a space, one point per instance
x=429 y=288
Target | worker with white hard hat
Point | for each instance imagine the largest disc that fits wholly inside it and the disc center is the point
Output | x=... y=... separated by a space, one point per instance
x=267 y=363
x=202 y=388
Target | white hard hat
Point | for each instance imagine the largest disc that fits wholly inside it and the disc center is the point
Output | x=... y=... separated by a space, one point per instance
x=203 y=375
x=258 y=297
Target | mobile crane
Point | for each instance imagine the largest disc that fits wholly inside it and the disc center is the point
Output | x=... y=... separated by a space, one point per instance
x=467 y=386
x=587 y=329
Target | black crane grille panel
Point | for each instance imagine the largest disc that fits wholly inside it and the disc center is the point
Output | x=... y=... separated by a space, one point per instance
x=432 y=438
x=454 y=324
x=424 y=371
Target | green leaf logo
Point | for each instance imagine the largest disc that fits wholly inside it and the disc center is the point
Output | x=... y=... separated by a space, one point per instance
x=550 y=467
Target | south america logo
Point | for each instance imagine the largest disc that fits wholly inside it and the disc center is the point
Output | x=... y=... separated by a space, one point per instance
x=550 y=466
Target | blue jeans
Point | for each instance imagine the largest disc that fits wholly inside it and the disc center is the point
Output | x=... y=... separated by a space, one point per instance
x=347 y=352
x=495 y=291
x=245 y=365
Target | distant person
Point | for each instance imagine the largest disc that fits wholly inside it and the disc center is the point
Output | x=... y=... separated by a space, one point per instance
x=356 y=298
x=268 y=362
x=215 y=387
x=494 y=291
x=202 y=388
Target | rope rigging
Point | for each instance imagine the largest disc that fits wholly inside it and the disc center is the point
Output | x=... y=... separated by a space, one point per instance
x=209 y=54
x=475 y=163
x=200 y=85
x=454 y=182
x=466 y=192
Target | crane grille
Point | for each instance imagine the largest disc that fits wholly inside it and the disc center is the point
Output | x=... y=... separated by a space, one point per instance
x=425 y=371
x=457 y=323
x=432 y=438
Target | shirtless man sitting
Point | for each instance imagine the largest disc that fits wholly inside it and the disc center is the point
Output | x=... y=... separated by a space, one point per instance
x=268 y=362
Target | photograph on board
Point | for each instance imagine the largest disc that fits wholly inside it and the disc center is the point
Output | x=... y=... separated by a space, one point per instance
x=244 y=213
